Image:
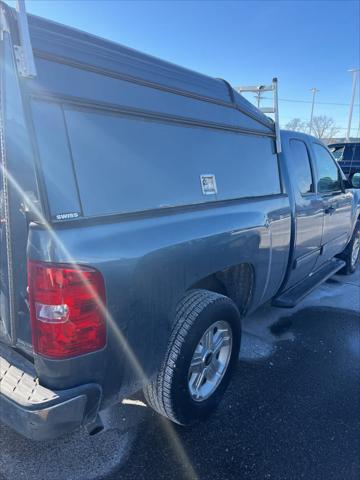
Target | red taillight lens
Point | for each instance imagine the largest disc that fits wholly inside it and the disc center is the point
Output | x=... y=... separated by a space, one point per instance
x=67 y=306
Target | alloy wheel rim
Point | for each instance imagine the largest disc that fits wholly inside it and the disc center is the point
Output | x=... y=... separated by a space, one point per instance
x=210 y=361
x=355 y=250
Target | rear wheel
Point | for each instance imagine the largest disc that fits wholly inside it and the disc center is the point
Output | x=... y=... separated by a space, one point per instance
x=351 y=254
x=202 y=353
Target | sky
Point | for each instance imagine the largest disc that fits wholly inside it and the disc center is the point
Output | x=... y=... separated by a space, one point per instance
x=304 y=43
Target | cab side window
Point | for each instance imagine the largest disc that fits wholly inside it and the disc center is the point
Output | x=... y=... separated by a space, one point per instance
x=301 y=166
x=329 y=178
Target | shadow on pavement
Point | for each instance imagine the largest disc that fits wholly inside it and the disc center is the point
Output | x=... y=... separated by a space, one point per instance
x=293 y=415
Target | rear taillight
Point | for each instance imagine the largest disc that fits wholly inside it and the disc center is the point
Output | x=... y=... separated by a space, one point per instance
x=67 y=309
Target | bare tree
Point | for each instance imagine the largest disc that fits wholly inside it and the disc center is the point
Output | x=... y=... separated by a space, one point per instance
x=324 y=127
x=296 y=125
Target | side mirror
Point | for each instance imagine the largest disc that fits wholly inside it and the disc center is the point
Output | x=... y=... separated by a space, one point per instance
x=356 y=180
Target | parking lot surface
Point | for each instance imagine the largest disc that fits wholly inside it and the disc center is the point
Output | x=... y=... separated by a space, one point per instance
x=291 y=411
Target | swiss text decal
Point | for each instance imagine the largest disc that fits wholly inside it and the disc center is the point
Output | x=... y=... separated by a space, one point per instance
x=67 y=216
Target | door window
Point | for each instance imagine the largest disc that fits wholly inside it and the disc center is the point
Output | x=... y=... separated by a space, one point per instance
x=329 y=179
x=302 y=166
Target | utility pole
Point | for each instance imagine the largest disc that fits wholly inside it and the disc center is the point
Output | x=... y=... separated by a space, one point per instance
x=354 y=72
x=314 y=92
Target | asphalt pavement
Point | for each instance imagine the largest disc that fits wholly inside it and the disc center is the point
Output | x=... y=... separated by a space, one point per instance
x=291 y=412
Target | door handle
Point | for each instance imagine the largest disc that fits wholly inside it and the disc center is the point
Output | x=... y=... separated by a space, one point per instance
x=330 y=210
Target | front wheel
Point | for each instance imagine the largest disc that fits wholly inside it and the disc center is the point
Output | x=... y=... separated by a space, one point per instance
x=351 y=255
x=201 y=356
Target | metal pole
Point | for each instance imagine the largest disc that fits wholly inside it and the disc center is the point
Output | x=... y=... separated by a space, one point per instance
x=27 y=54
x=314 y=92
x=276 y=114
x=258 y=95
x=258 y=98
x=354 y=72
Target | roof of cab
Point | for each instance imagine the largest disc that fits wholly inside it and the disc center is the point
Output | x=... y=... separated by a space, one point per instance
x=300 y=135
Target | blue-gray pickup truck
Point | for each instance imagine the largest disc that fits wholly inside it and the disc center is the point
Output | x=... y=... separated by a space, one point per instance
x=145 y=208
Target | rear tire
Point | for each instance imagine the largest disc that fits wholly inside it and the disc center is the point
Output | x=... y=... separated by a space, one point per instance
x=189 y=361
x=351 y=254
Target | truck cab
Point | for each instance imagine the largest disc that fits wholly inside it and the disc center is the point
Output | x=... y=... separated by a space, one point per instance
x=322 y=202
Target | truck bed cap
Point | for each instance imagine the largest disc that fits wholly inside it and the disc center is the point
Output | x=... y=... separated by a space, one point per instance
x=54 y=40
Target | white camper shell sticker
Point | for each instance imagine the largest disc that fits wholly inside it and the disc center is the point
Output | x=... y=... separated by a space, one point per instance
x=208 y=184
